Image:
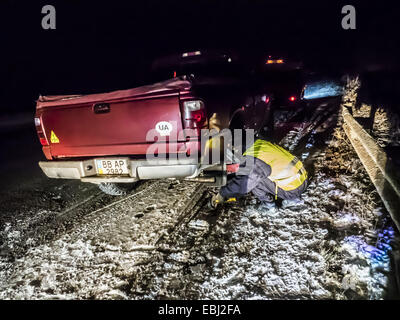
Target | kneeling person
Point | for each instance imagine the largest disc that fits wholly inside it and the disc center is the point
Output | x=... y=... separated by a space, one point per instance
x=269 y=172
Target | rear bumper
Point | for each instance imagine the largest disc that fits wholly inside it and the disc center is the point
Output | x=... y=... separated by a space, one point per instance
x=138 y=170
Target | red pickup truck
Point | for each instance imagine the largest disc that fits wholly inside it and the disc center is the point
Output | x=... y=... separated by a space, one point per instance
x=103 y=138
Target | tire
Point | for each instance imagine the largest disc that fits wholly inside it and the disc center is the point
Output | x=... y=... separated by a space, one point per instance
x=116 y=189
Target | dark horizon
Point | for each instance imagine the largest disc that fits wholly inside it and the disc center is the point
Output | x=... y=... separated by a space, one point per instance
x=101 y=47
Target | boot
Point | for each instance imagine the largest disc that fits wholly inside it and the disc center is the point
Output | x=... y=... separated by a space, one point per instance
x=292 y=202
x=268 y=208
x=266 y=205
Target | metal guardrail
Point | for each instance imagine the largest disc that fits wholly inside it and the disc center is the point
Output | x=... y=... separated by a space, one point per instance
x=384 y=175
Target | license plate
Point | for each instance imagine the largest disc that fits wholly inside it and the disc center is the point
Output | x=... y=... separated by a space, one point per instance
x=112 y=166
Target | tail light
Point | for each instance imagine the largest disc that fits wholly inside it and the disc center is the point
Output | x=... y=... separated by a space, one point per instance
x=270 y=61
x=292 y=98
x=194 y=114
x=265 y=98
x=43 y=141
x=40 y=132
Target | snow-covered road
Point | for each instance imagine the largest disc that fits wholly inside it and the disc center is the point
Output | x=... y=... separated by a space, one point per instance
x=66 y=240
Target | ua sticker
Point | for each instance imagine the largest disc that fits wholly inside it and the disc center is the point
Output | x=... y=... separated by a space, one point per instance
x=53 y=137
x=164 y=128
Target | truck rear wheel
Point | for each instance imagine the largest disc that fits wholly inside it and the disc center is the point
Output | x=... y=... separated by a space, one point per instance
x=116 y=189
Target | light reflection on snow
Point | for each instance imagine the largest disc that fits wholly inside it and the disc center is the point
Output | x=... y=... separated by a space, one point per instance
x=322 y=89
x=378 y=255
x=373 y=274
x=309 y=145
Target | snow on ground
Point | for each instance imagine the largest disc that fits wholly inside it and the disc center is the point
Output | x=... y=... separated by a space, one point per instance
x=336 y=243
x=93 y=259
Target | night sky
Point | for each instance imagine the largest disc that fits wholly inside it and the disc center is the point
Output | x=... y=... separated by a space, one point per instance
x=110 y=45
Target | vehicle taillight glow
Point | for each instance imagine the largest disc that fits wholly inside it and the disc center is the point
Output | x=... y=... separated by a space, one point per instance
x=198 y=116
x=43 y=141
x=265 y=98
x=40 y=132
x=194 y=113
x=270 y=61
x=292 y=98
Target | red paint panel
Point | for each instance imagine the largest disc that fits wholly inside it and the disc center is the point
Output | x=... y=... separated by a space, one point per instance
x=122 y=130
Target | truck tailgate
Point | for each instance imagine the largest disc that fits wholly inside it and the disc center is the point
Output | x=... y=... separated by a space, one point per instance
x=109 y=127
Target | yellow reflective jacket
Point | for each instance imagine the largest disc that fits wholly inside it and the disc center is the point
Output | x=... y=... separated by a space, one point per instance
x=287 y=171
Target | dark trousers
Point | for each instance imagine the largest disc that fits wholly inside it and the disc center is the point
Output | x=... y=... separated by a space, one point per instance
x=254 y=178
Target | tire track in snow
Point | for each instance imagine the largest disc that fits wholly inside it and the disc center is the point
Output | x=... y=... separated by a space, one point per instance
x=95 y=258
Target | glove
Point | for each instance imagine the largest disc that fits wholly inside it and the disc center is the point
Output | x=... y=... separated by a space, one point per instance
x=218 y=199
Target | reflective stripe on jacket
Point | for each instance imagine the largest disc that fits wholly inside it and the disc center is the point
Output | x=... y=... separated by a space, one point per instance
x=287 y=171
